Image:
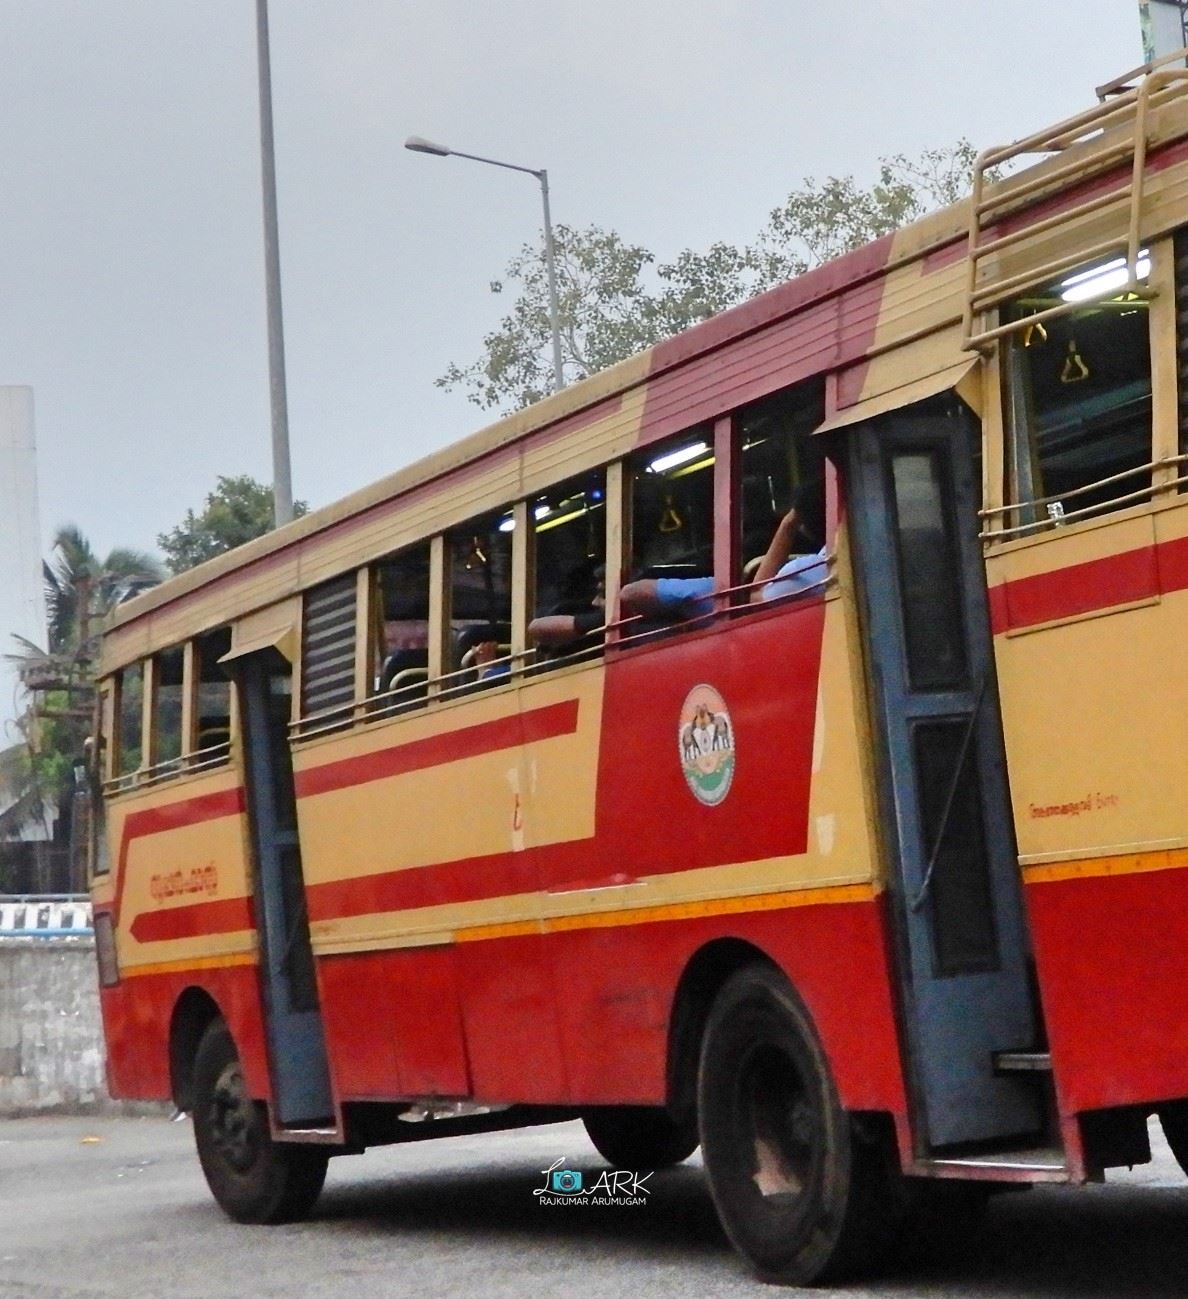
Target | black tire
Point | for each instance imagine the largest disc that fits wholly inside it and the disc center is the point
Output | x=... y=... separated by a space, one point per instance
x=640 y=1136
x=253 y=1178
x=802 y=1190
x=1173 y=1119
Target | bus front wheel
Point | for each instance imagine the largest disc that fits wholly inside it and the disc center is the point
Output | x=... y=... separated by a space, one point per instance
x=799 y=1192
x=252 y=1177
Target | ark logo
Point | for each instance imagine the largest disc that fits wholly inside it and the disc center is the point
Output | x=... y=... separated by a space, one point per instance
x=612 y=1186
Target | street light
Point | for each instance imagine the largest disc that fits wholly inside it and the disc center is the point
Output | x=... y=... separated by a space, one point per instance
x=419 y=145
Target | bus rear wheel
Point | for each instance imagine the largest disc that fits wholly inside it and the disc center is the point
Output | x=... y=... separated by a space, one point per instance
x=252 y=1177
x=640 y=1136
x=801 y=1194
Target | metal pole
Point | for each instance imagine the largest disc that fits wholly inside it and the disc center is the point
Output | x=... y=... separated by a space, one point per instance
x=551 y=266
x=282 y=483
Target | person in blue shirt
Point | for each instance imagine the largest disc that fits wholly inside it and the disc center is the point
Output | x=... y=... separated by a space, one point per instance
x=780 y=572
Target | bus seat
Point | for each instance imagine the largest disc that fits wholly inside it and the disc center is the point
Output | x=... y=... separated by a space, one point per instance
x=400 y=661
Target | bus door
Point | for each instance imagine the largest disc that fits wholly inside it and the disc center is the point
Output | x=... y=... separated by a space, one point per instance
x=296 y=1042
x=955 y=890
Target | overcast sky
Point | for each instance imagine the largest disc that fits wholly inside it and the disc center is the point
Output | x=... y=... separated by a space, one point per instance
x=131 y=258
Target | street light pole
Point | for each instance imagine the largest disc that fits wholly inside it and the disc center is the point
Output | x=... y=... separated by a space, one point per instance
x=419 y=145
x=282 y=482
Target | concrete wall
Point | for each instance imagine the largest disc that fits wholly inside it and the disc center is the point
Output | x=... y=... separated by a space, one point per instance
x=51 y=1038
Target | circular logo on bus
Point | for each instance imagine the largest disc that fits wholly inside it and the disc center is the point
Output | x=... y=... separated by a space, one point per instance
x=706 y=737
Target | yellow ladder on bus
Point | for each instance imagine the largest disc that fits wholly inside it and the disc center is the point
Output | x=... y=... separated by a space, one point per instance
x=1098 y=141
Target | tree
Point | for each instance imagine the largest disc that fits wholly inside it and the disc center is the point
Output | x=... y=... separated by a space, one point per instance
x=615 y=298
x=80 y=590
x=238 y=510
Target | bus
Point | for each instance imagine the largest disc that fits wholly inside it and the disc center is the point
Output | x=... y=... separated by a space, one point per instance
x=873 y=885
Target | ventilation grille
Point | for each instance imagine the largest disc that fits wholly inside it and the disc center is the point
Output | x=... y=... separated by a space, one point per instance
x=328 y=651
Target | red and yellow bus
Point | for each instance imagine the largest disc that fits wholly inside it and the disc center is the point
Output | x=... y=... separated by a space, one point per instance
x=874 y=886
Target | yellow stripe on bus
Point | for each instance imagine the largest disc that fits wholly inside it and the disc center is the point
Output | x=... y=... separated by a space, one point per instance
x=672 y=911
x=1165 y=859
x=826 y=896
x=187 y=965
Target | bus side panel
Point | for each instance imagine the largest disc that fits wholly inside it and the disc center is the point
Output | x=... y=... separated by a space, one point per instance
x=137 y=1014
x=1114 y=972
x=509 y=1003
x=784 y=861
x=1089 y=623
x=619 y=986
x=393 y=1026
x=765 y=668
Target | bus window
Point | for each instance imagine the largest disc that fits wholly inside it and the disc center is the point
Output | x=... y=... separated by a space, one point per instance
x=569 y=523
x=129 y=755
x=166 y=716
x=672 y=508
x=779 y=457
x=1078 y=403
x=96 y=773
x=213 y=700
x=480 y=566
x=401 y=635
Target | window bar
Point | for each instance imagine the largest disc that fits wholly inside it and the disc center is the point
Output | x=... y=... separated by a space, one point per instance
x=523 y=578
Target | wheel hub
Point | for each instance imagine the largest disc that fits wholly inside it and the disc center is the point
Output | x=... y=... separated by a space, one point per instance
x=233 y=1120
x=784 y=1136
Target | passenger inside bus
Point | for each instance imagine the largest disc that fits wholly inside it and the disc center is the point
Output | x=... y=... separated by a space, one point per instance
x=793 y=563
x=779 y=514
x=402 y=630
x=570 y=625
x=568 y=559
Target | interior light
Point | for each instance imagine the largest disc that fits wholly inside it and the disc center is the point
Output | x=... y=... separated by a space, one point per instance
x=679 y=457
x=508 y=524
x=695 y=467
x=542 y=511
x=1100 y=281
x=558 y=519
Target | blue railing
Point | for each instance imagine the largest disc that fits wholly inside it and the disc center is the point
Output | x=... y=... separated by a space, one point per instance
x=45 y=915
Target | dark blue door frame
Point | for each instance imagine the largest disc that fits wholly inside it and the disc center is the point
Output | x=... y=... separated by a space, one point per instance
x=299 y=1069
x=954 y=884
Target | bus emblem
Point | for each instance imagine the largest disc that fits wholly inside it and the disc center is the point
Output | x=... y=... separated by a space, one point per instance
x=706 y=737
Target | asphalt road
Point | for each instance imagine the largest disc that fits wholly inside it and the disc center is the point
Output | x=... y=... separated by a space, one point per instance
x=117 y=1209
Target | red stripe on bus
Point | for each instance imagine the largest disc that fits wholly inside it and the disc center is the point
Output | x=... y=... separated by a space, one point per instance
x=171 y=816
x=197 y=920
x=437 y=750
x=996 y=596
x=1080 y=588
x=1171 y=558
x=1091 y=587
x=504 y=875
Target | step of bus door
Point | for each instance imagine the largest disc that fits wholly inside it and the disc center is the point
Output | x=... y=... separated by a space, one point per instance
x=1022 y=1062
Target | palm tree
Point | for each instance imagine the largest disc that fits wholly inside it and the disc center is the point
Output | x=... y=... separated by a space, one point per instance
x=80 y=591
